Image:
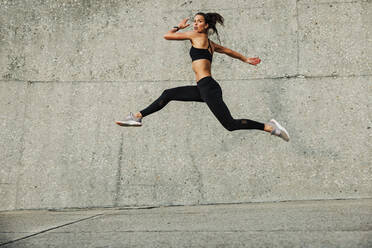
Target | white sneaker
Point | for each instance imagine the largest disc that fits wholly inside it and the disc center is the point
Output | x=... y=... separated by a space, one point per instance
x=130 y=121
x=279 y=130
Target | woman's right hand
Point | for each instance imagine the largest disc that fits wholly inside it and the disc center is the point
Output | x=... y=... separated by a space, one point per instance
x=253 y=61
x=183 y=24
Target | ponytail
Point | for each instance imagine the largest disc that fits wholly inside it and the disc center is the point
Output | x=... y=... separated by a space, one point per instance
x=212 y=19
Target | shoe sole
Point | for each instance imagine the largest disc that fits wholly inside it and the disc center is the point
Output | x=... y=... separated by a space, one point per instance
x=283 y=132
x=128 y=123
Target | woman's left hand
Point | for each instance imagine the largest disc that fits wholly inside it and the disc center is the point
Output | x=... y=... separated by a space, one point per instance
x=253 y=61
x=183 y=24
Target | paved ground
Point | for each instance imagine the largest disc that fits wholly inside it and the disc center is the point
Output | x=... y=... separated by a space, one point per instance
x=339 y=223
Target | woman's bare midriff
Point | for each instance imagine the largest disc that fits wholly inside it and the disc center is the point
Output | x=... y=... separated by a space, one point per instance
x=202 y=68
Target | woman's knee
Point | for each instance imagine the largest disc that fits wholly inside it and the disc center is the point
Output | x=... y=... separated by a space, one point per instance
x=166 y=95
x=229 y=126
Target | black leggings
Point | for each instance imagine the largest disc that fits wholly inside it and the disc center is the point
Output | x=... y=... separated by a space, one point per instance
x=208 y=91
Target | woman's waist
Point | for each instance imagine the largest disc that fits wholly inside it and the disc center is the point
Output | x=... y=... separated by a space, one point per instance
x=199 y=74
x=201 y=65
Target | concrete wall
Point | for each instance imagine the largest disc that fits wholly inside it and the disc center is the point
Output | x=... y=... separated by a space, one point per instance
x=68 y=69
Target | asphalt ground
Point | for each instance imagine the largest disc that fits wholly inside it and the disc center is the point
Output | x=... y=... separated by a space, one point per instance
x=323 y=224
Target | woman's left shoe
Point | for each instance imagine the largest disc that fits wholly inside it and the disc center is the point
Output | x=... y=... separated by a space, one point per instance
x=130 y=121
x=278 y=130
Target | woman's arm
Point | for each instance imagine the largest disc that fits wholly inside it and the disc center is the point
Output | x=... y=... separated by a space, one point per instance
x=236 y=55
x=173 y=35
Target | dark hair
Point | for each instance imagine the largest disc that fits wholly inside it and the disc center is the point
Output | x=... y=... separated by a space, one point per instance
x=212 y=19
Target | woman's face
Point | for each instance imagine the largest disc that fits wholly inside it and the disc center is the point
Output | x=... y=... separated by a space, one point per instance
x=200 y=25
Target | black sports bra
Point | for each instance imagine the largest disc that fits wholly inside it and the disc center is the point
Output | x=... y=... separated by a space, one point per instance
x=200 y=53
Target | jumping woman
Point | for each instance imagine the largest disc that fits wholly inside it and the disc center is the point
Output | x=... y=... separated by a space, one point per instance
x=207 y=89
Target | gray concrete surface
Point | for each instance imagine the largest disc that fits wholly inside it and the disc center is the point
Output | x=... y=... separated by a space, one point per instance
x=70 y=154
x=68 y=69
x=311 y=224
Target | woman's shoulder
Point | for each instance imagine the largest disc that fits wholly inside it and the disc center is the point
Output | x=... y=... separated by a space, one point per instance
x=199 y=39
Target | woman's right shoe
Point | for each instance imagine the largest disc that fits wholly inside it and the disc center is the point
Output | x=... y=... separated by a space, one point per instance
x=130 y=121
x=278 y=130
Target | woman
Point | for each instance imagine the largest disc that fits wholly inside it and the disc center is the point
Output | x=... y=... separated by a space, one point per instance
x=207 y=89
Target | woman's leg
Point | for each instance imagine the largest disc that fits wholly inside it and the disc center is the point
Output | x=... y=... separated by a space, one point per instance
x=211 y=93
x=183 y=93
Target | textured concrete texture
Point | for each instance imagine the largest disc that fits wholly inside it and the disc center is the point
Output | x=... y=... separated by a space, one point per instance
x=68 y=69
x=122 y=40
x=311 y=224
